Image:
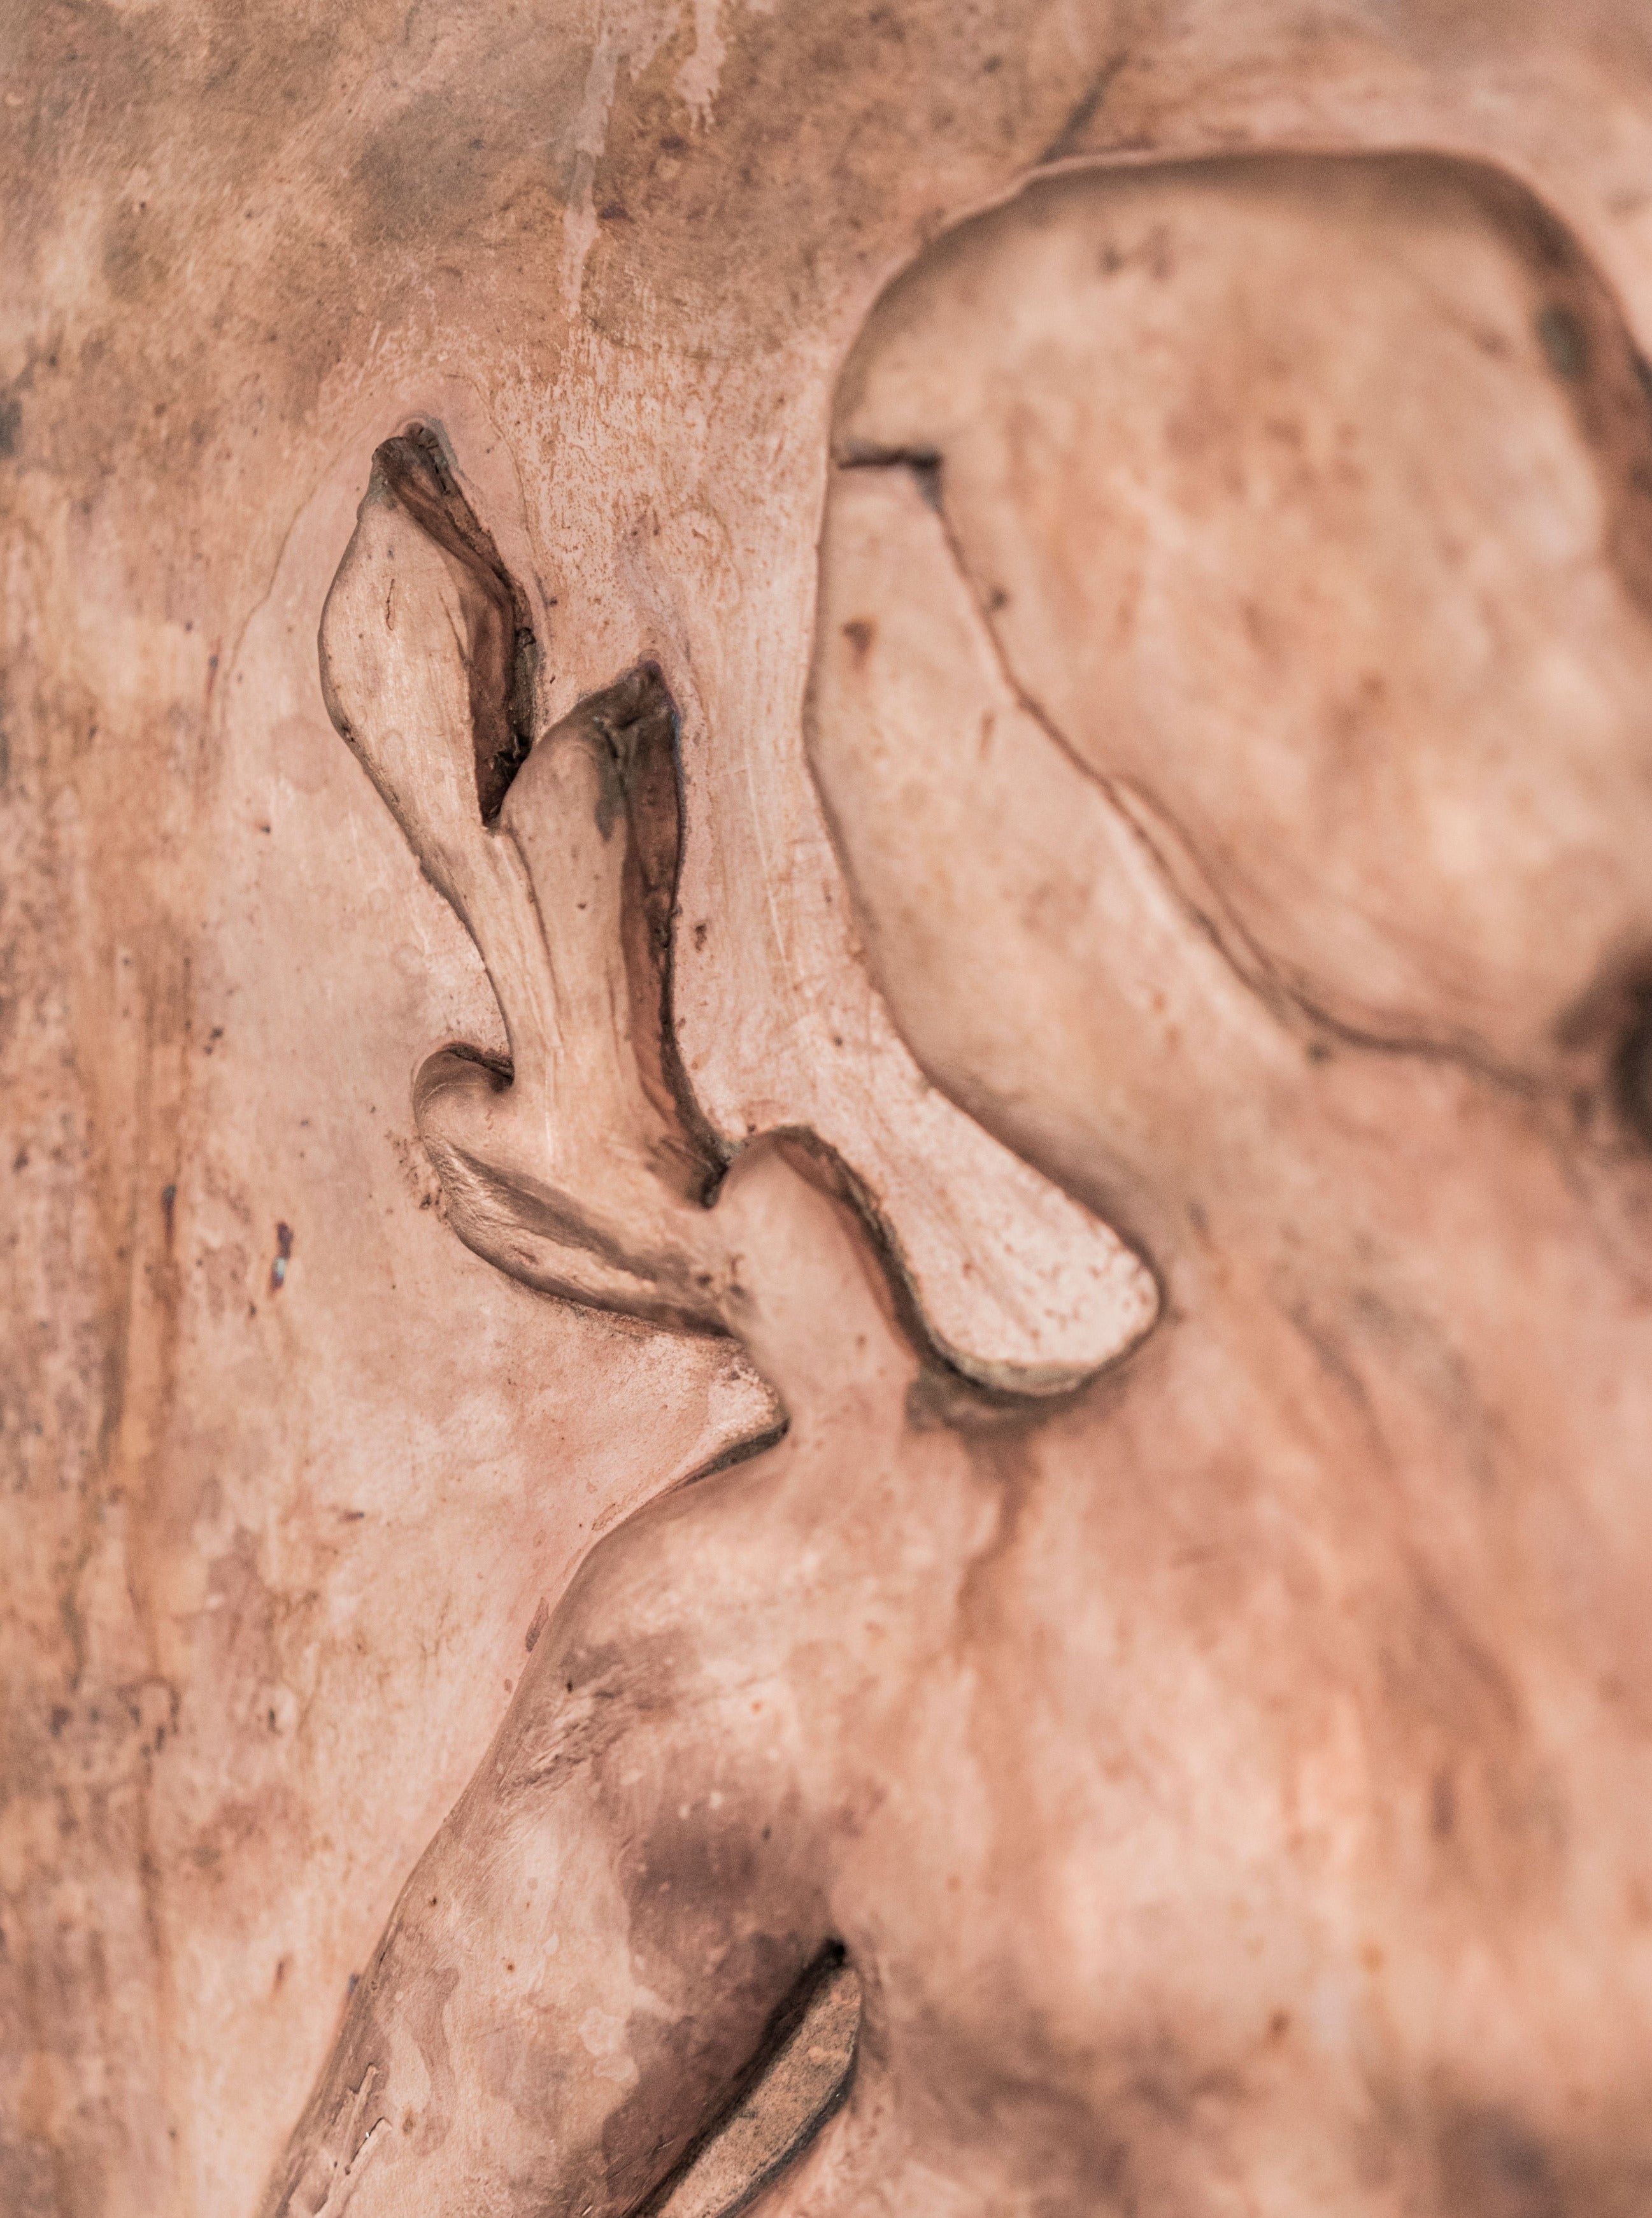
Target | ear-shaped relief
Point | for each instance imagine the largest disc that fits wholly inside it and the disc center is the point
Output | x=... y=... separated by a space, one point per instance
x=426 y=663
x=578 y=1169
x=580 y=1173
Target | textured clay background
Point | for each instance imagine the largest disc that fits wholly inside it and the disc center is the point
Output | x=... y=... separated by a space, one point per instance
x=271 y=1551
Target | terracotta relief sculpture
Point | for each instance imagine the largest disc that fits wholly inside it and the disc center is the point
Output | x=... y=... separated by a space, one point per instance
x=963 y=1151
x=1114 y=1798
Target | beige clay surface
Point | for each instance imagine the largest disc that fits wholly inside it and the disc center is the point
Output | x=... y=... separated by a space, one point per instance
x=832 y=1386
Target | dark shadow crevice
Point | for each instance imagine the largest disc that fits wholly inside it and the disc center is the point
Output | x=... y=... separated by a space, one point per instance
x=503 y=654
x=796 y=2080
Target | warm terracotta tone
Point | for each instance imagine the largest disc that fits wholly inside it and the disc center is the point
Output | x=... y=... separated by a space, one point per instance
x=1210 y=598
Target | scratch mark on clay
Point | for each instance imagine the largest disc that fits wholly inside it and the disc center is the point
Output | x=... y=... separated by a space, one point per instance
x=1070 y=139
x=590 y=137
x=695 y=84
x=635 y=45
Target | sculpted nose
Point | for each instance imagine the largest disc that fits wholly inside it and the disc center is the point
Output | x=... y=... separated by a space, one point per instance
x=1014 y=899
